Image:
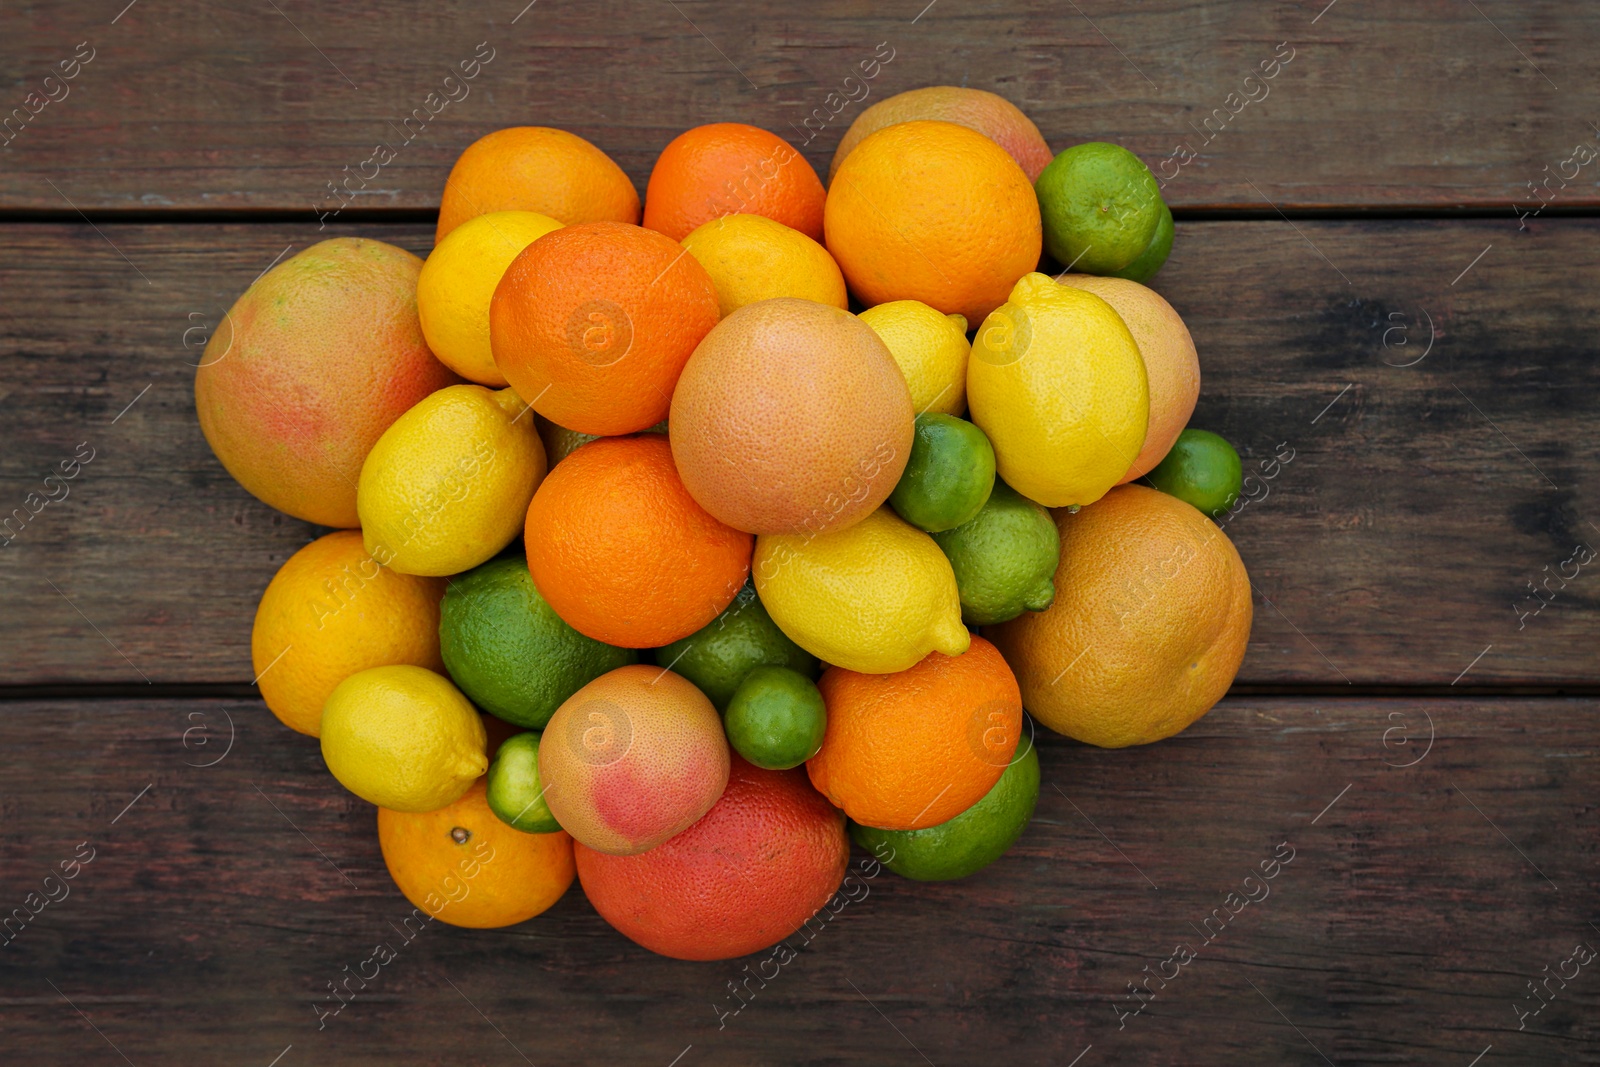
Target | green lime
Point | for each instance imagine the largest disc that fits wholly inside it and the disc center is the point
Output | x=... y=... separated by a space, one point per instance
x=560 y=442
x=967 y=843
x=1202 y=469
x=1100 y=206
x=718 y=656
x=1005 y=558
x=509 y=651
x=776 y=718
x=514 y=791
x=948 y=474
x=1155 y=253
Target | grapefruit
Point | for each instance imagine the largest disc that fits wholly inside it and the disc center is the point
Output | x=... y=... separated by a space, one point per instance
x=762 y=861
x=309 y=367
x=791 y=417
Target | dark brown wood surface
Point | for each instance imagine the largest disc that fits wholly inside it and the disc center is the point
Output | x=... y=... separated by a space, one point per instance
x=212 y=106
x=1432 y=371
x=1444 y=852
x=1443 y=437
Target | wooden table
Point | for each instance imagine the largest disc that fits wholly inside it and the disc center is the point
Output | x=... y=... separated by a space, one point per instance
x=1371 y=280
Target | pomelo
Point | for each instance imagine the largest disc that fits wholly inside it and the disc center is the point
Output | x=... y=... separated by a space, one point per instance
x=307 y=370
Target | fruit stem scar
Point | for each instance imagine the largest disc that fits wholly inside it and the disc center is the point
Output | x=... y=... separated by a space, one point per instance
x=459 y=835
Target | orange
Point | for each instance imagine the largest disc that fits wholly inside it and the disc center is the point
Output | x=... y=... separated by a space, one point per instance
x=728 y=168
x=307 y=370
x=751 y=258
x=909 y=750
x=536 y=168
x=331 y=611
x=463 y=865
x=1171 y=364
x=592 y=324
x=760 y=864
x=632 y=758
x=622 y=552
x=1149 y=625
x=935 y=212
x=791 y=417
x=993 y=116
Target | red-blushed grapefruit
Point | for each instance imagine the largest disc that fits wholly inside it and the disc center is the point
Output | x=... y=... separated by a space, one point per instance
x=632 y=758
x=993 y=116
x=307 y=370
x=761 y=862
x=791 y=417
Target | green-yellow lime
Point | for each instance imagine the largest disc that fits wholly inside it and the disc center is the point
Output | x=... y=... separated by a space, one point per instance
x=1005 y=559
x=931 y=350
x=1155 y=254
x=515 y=791
x=719 y=655
x=874 y=597
x=403 y=738
x=1099 y=205
x=448 y=484
x=948 y=474
x=509 y=651
x=1058 y=384
x=969 y=842
x=776 y=718
x=1203 y=470
x=458 y=280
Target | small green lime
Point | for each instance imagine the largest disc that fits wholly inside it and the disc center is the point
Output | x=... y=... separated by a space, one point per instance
x=514 y=791
x=560 y=442
x=1005 y=558
x=718 y=656
x=967 y=843
x=1202 y=469
x=1100 y=207
x=509 y=651
x=948 y=474
x=1155 y=253
x=776 y=718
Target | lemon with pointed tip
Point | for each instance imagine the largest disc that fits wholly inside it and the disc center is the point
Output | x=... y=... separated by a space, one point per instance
x=458 y=281
x=931 y=350
x=403 y=738
x=874 y=597
x=1057 y=382
x=447 y=486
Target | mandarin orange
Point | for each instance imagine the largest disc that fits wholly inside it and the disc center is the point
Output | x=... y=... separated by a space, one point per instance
x=536 y=168
x=912 y=749
x=622 y=552
x=592 y=324
x=728 y=168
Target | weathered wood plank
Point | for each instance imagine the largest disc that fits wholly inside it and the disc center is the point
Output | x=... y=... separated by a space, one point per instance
x=198 y=105
x=1396 y=546
x=1443 y=853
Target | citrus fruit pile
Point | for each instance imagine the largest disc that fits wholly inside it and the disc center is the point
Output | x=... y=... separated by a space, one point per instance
x=674 y=546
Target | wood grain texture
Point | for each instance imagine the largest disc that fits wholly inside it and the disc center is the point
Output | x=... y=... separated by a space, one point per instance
x=199 y=105
x=1418 y=902
x=1395 y=547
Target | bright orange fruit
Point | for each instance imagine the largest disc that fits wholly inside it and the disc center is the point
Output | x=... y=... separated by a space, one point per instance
x=993 y=116
x=912 y=749
x=728 y=168
x=935 y=212
x=536 y=168
x=592 y=325
x=463 y=865
x=622 y=552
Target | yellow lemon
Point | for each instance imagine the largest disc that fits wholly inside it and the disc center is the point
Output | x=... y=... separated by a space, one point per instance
x=448 y=484
x=331 y=611
x=931 y=349
x=403 y=738
x=458 y=281
x=874 y=597
x=1057 y=382
x=751 y=257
